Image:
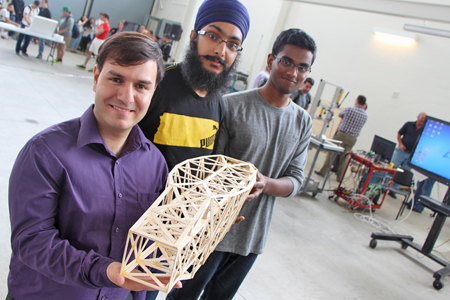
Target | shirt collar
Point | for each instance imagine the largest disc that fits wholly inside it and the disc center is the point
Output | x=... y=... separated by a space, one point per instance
x=89 y=134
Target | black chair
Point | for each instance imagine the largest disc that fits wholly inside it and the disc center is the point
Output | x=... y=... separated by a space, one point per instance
x=404 y=178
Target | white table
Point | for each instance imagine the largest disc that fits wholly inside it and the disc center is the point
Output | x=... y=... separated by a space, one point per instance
x=27 y=31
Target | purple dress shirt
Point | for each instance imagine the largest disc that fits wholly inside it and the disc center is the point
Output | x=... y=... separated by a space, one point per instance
x=72 y=202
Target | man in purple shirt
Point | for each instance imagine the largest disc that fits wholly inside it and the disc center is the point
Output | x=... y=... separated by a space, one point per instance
x=77 y=187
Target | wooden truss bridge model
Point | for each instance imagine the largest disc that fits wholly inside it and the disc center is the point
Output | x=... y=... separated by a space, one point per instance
x=175 y=236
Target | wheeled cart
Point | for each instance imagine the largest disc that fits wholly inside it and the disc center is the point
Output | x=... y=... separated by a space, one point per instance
x=373 y=182
x=442 y=210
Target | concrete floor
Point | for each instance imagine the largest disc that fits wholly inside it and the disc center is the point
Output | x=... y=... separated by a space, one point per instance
x=317 y=248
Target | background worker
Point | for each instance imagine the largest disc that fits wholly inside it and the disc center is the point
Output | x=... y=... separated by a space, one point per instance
x=100 y=36
x=28 y=14
x=45 y=13
x=301 y=96
x=353 y=120
x=65 y=27
x=259 y=78
x=406 y=137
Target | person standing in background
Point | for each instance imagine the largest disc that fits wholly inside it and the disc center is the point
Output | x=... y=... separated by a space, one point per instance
x=301 y=96
x=100 y=35
x=353 y=120
x=73 y=45
x=264 y=74
x=28 y=14
x=406 y=137
x=19 y=5
x=45 y=13
x=87 y=33
x=65 y=29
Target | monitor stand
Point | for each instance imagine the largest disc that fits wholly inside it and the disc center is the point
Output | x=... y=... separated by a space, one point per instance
x=442 y=211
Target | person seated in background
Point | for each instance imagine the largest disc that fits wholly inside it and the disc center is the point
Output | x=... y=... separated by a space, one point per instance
x=301 y=96
x=117 y=29
x=5 y=14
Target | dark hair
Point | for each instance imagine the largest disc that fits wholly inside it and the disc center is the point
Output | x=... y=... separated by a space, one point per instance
x=87 y=24
x=310 y=80
x=131 y=49
x=106 y=15
x=37 y=3
x=296 y=37
x=361 y=100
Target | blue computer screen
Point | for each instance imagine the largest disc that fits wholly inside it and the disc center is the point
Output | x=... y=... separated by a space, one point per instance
x=432 y=151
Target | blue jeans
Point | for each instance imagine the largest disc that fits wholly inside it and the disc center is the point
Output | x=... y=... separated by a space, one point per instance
x=26 y=41
x=73 y=44
x=220 y=278
x=41 y=44
x=400 y=159
x=424 y=188
x=12 y=18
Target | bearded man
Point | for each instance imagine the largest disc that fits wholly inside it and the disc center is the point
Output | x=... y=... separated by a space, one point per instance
x=187 y=108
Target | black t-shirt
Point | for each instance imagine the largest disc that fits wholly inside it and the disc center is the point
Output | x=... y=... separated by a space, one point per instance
x=45 y=12
x=19 y=6
x=409 y=133
x=180 y=123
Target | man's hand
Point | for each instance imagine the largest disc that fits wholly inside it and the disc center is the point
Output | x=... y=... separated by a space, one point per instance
x=258 y=188
x=238 y=220
x=402 y=147
x=113 y=273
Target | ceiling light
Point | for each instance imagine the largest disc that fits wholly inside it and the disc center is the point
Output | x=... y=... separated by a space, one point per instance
x=395 y=36
x=427 y=30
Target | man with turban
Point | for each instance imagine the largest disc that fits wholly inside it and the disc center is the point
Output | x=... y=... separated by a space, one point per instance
x=187 y=108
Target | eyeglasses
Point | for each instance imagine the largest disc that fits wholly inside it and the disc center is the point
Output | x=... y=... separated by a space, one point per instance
x=233 y=47
x=288 y=65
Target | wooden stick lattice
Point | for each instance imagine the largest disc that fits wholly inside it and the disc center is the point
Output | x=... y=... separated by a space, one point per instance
x=175 y=236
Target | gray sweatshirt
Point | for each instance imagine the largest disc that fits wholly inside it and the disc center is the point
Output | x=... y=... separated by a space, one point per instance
x=276 y=141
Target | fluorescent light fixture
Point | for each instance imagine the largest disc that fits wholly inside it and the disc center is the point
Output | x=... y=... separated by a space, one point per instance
x=427 y=30
x=393 y=36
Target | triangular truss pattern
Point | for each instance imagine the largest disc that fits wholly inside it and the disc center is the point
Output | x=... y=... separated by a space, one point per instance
x=175 y=236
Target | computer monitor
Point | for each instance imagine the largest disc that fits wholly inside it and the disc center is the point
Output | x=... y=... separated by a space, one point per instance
x=383 y=147
x=431 y=153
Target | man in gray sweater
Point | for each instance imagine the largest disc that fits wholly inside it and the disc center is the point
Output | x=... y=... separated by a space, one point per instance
x=265 y=127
